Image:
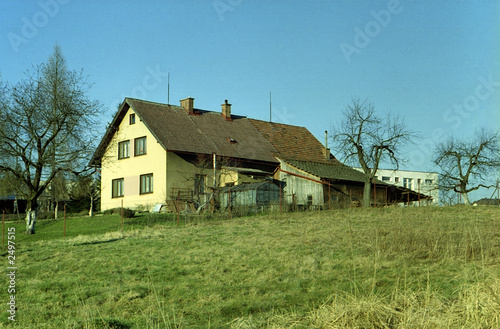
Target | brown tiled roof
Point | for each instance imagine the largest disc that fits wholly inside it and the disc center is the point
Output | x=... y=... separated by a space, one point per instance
x=292 y=142
x=335 y=171
x=204 y=133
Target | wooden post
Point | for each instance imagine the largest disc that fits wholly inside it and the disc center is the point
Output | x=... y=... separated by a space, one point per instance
x=418 y=192
x=177 y=206
x=229 y=203
x=121 y=215
x=329 y=196
x=64 y=225
x=280 y=199
x=375 y=193
x=3 y=227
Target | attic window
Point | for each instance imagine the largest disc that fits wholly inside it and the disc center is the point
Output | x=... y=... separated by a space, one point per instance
x=232 y=140
x=132 y=118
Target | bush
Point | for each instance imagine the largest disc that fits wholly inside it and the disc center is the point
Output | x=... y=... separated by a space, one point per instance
x=127 y=213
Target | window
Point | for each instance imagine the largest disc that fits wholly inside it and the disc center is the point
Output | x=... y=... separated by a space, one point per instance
x=407 y=182
x=140 y=146
x=199 y=184
x=386 y=178
x=429 y=182
x=146 y=184
x=396 y=179
x=124 y=150
x=419 y=181
x=132 y=118
x=117 y=188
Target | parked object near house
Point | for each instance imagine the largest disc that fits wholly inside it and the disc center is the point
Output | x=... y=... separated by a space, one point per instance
x=155 y=153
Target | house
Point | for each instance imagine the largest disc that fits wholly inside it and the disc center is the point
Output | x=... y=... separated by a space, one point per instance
x=417 y=181
x=155 y=153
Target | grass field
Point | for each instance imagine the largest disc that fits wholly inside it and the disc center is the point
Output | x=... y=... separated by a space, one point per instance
x=375 y=268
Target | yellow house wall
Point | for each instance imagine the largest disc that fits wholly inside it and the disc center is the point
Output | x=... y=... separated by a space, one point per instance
x=130 y=169
x=169 y=170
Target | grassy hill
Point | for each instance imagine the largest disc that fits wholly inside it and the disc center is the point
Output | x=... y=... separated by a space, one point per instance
x=375 y=268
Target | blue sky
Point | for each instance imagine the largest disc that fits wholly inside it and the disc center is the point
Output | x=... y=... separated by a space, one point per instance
x=435 y=63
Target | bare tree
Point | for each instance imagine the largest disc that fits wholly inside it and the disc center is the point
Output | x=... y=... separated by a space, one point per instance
x=466 y=163
x=87 y=187
x=48 y=128
x=366 y=139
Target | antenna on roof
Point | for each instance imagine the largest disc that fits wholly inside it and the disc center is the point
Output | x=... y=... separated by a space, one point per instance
x=168 y=89
x=270 y=108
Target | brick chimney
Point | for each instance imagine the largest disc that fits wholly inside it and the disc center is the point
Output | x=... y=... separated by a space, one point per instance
x=226 y=110
x=188 y=105
x=326 y=150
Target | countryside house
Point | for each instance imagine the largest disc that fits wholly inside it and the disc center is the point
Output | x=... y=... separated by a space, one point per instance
x=155 y=153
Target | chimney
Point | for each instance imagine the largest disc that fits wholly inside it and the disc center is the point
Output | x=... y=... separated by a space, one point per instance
x=226 y=110
x=188 y=105
x=326 y=150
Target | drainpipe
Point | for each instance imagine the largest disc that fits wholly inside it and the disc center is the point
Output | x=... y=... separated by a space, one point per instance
x=215 y=170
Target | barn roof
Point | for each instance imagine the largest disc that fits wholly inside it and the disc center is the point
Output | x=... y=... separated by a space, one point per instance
x=334 y=171
x=293 y=142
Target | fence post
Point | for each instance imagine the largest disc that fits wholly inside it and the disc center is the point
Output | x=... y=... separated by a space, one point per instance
x=64 y=226
x=229 y=203
x=177 y=206
x=3 y=227
x=121 y=215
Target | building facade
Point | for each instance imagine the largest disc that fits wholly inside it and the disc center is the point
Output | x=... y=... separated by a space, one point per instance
x=418 y=181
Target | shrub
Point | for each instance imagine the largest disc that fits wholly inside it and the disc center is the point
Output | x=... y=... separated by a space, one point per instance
x=127 y=213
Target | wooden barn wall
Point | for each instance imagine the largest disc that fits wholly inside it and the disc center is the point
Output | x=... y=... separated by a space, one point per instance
x=297 y=189
x=346 y=195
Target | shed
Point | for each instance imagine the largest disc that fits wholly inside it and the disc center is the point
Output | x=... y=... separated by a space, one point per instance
x=248 y=195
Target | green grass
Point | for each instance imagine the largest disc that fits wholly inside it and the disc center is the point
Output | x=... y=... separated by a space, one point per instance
x=375 y=268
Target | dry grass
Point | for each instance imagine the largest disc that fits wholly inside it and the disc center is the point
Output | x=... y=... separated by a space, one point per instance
x=376 y=268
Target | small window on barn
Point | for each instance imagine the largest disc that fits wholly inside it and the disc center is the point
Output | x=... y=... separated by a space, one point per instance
x=132 y=118
x=429 y=182
x=386 y=178
x=396 y=179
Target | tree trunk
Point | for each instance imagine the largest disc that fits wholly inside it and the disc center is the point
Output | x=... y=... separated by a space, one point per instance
x=91 y=210
x=56 y=209
x=31 y=212
x=366 y=194
x=466 y=199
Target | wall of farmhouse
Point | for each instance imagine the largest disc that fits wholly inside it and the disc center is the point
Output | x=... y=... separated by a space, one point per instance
x=130 y=166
